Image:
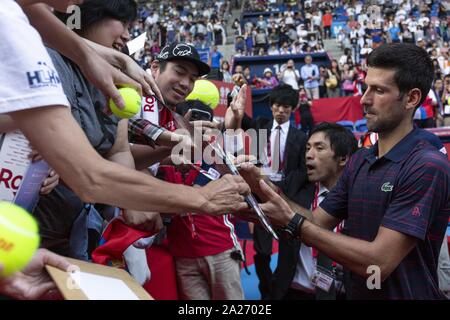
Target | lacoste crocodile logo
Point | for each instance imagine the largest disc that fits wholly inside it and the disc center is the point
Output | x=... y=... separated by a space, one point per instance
x=387 y=187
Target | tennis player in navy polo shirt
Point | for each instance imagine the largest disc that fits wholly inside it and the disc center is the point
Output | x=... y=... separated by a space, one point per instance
x=394 y=197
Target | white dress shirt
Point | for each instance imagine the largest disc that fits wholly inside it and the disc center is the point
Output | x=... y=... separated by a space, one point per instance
x=306 y=264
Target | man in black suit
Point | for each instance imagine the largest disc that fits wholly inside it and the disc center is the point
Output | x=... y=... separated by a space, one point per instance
x=282 y=153
x=328 y=149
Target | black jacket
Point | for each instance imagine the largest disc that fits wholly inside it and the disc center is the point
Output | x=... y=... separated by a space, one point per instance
x=294 y=157
x=289 y=250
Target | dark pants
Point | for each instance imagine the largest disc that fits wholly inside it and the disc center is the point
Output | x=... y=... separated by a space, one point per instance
x=306 y=119
x=327 y=32
x=262 y=243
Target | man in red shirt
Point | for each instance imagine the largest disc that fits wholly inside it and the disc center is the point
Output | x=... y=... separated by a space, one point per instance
x=327 y=20
x=206 y=251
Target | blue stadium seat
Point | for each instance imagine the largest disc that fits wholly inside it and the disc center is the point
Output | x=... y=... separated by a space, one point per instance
x=347 y=124
x=361 y=125
x=341 y=18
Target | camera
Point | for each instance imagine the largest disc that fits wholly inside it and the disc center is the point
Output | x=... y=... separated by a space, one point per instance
x=236 y=255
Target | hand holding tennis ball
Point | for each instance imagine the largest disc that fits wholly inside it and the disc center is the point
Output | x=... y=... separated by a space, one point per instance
x=19 y=238
x=132 y=103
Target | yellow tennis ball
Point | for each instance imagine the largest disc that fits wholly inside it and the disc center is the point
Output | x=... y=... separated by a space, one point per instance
x=206 y=92
x=132 y=103
x=19 y=238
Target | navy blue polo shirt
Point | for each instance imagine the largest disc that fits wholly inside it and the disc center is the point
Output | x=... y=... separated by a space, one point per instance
x=407 y=190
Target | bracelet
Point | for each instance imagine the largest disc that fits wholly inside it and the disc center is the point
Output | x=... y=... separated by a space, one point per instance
x=299 y=226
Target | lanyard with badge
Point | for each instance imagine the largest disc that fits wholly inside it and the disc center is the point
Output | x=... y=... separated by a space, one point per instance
x=322 y=277
x=277 y=175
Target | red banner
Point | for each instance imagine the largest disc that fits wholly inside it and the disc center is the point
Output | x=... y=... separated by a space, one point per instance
x=335 y=109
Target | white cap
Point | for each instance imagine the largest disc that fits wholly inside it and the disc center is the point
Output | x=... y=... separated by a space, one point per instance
x=268 y=70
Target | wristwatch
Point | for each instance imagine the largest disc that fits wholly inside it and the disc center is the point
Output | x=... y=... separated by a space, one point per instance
x=292 y=230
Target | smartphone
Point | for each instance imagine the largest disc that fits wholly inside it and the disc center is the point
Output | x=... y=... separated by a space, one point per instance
x=198 y=114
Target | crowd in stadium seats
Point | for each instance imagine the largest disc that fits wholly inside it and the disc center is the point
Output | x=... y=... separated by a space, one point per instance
x=201 y=23
x=289 y=30
x=358 y=28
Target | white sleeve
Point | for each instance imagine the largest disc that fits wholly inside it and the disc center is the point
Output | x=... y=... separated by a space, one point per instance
x=29 y=78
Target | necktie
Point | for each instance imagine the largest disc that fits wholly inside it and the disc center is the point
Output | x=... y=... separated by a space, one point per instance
x=276 y=154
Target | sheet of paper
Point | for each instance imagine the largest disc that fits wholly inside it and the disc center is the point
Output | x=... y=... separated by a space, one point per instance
x=14 y=151
x=137 y=44
x=97 y=287
x=28 y=195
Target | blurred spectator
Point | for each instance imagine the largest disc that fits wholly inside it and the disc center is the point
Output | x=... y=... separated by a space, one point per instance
x=360 y=75
x=333 y=81
x=438 y=90
x=249 y=41
x=273 y=50
x=219 y=33
x=323 y=73
x=319 y=47
x=155 y=49
x=239 y=69
x=289 y=74
x=306 y=118
x=268 y=81
x=285 y=48
x=446 y=102
x=292 y=34
x=347 y=76
x=296 y=48
x=248 y=76
x=346 y=57
x=437 y=69
x=261 y=40
x=237 y=28
x=239 y=45
x=302 y=33
x=341 y=38
x=146 y=59
x=225 y=70
x=248 y=27
x=261 y=23
x=274 y=36
x=215 y=61
x=327 y=20
x=310 y=75
x=312 y=42
x=260 y=51
x=364 y=53
x=425 y=116
x=421 y=43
